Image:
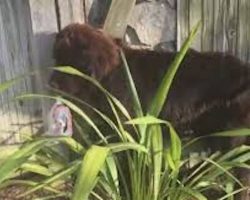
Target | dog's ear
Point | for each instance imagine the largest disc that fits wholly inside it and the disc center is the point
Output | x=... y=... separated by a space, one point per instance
x=103 y=54
x=88 y=49
x=62 y=43
x=66 y=46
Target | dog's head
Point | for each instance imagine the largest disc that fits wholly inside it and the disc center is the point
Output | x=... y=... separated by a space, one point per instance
x=87 y=49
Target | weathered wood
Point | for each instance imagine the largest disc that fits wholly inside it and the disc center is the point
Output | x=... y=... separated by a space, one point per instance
x=117 y=19
x=231 y=28
x=207 y=26
x=243 y=34
x=225 y=25
x=182 y=22
x=15 y=60
x=70 y=11
x=44 y=28
x=28 y=28
x=219 y=25
x=195 y=15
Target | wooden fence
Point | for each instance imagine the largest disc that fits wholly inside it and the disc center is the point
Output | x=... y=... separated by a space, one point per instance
x=226 y=25
x=28 y=27
x=27 y=30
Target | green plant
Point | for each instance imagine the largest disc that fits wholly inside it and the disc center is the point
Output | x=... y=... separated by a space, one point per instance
x=139 y=166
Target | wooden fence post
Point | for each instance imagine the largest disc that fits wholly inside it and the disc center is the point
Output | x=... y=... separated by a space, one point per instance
x=118 y=16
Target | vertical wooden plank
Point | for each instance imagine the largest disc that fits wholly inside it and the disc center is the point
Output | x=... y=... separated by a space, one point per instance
x=70 y=11
x=27 y=30
x=96 y=11
x=207 y=25
x=44 y=28
x=22 y=64
x=118 y=16
x=219 y=23
x=219 y=20
x=195 y=15
x=15 y=60
x=189 y=13
x=182 y=21
x=243 y=38
x=5 y=73
x=225 y=25
x=231 y=25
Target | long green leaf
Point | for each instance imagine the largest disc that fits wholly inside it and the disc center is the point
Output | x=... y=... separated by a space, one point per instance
x=70 y=143
x=110 y=173
x=199 y=171
x=162 y=92
x=7 y=84
x=233 y=193
x=175 y=147
x=124 y=146
x=232 y=133
x=234 y=153
x=110 y=98
x=157 y=148
x=135 y=97
x=19 y=157
x=29 y=183
x=136 y=101
x=243 y=132
x=63 y=174
x=148 y=120
x=72 y=106
x=73 y=71
x=224 y=170
x=36 y=168
x=97 y=111
x=92 y=163
x=190 y=193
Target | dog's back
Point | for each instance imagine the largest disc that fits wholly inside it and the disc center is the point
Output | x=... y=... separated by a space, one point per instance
x=210 y=91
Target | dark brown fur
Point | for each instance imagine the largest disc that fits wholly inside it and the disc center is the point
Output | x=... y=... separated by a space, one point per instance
x=76 y=46
x=211 y=91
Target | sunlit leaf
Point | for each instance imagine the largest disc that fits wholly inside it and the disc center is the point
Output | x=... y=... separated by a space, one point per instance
x=72 y=106
x=157 y=151
x=117 y=147
x=61 y=175
x=19 y=157
x=162 y=92
x=149 y=120
x=91 y=165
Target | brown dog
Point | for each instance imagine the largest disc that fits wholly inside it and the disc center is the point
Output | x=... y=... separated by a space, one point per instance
x=211 y=91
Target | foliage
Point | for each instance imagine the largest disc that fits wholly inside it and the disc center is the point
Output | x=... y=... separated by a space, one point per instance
x=137 y=164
